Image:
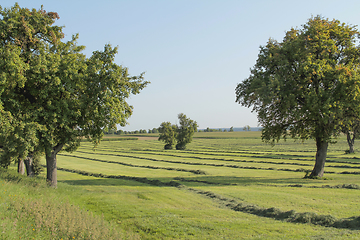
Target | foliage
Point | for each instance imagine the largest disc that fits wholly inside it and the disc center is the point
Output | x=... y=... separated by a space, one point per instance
x=182 y=134
x=168 y=134
x=212 y=130
x=23 y=34
x=56 y=96
x=352 y=132
x=185 y=131
x=303 y=86
x=246 y=128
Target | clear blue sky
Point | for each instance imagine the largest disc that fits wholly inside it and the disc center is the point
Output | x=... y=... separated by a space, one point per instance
x=194 y=52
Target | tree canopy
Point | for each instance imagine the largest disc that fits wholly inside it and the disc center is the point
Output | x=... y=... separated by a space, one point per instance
x=168 y=134
x=186 y=130
x=51 y=94
x=181 y=135
x=304 y=86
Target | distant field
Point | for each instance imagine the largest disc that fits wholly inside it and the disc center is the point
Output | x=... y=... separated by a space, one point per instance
x=224 y=186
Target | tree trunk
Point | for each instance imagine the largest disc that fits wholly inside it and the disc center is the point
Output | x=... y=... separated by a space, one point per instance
x=51 y=175
x=351 y=141
x=21 y=167
x=321 y=152
x=29 y=165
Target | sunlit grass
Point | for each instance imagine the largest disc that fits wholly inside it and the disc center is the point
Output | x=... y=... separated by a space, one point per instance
x=30 y=210
x=239 y=169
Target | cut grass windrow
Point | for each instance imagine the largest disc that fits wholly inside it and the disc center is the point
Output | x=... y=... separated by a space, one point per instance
x=202 y=181
x=249 y=161
x=218 y=165
x=199 y=164
x=274 y=213
x=340 y=186
x=123 y=177
x=139 y=166
x=289 y=216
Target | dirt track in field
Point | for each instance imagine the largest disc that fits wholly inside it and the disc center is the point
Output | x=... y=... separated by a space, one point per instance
x=147 y=138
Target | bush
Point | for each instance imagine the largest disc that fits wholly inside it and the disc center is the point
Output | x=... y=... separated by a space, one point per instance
x=168 y=146
x=181 y=146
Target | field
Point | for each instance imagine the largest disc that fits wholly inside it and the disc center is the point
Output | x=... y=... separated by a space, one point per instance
x=224 y=186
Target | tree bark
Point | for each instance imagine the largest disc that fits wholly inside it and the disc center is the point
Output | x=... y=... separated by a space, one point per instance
x=51 y=174
x=320 y=159
x=351 y=141
x=21 y=167
x=29 y=165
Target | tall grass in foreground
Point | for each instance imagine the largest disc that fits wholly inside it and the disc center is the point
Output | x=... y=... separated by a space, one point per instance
x=30 y=210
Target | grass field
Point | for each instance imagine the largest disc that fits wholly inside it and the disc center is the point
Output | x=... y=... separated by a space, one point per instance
x=224 y=186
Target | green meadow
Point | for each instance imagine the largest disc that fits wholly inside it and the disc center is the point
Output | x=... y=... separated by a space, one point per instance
x=223 y=186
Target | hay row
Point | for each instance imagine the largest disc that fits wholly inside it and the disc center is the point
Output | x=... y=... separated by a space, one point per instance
x=138 y=166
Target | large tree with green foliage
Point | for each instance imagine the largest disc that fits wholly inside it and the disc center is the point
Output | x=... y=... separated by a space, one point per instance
x=59 y=94
x=23 y=35
x=304 y=86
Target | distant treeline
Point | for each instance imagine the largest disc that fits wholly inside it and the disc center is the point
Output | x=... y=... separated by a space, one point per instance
x=141 y=131
x=156 y=130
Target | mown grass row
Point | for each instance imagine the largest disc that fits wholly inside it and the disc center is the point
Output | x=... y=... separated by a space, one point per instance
x=289 y=216
x=265 y=152
x=205 y=164
x=275 y=213
x=252 y=161
x=262 y=196
x=153 y=182
x=135 y=156
x=139 y=166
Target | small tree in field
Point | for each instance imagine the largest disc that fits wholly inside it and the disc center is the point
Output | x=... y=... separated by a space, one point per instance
x=247 y=128
x=305 y=86
x=182 y=134
x=168 y=134
x=185 y=131
x=352 y=132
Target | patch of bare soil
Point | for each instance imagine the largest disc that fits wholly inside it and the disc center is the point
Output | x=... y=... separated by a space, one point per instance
x=147 y=138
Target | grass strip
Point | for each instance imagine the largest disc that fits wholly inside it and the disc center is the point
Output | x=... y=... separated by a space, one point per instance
x=112 y=139
x=30 y=210
x=253 y=161
x=202 y=164
x=139 y=166
x=145 y=180
x=289 y=216
x=274 y=213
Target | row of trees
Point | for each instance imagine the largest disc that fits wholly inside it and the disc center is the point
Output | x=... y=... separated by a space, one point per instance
x=217 y=130
x=51 y=94
x=156 y=130
x=122 y=132
x=307 y=86
x=179 y=135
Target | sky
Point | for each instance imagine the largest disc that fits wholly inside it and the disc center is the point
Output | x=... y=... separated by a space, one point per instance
x=194 y=52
